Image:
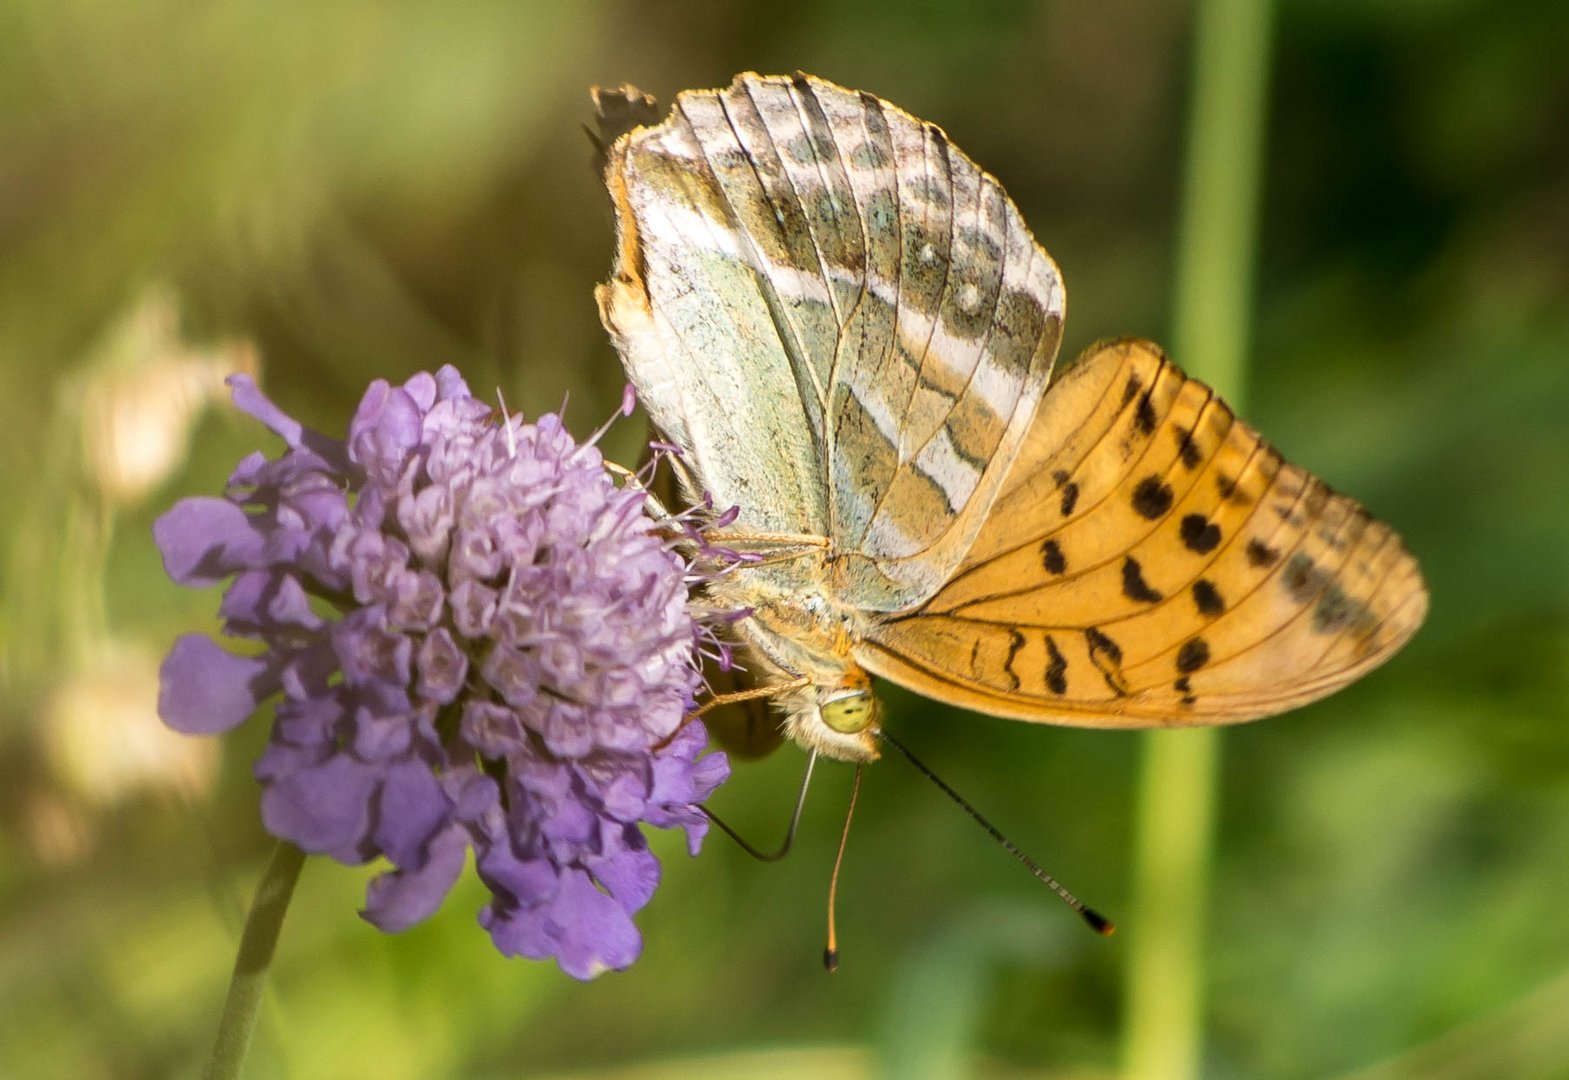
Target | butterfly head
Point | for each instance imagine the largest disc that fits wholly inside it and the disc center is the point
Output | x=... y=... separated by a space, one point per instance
x=837 y=721
x=801 y=641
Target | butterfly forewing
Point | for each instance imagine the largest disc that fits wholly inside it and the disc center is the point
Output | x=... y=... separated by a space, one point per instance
x=1152 y=560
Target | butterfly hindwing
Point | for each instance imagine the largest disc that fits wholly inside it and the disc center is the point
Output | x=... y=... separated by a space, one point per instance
x=692 y=320
x=1152 y=560
x=824 y=302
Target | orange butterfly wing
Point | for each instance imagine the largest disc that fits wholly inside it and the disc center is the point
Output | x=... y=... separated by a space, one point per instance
x=1150 y=560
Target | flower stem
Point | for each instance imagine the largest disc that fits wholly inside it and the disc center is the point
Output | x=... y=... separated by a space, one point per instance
x=257 y=943
x=1163 y=1032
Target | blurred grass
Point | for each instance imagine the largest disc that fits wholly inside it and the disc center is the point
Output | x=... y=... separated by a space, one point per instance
x=363 y=190
x=1212 y=303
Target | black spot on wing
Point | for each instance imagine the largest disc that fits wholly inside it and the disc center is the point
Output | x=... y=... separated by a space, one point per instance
x=1014 y=646
x=1131 y=390
x=1134 y=587
x=1152 y=498
x=1187 y=450
x=1231 y=492
x=1184 y=686
x=1207 y=598
x=1070 y=498
x=1106 y=655
x=1056 y=668
x=1145 y=419
x=1070 y=491
x=1052 y=558
x=1193 y=655
x=1303 y=578
x=1199 y=534
x=1100 y=643
x=1337 y=610
x=1261 y=554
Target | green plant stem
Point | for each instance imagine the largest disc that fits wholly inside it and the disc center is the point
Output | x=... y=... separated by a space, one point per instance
x=257 y=943
x=1211 y=304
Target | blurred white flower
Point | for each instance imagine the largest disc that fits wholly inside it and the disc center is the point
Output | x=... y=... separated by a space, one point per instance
x=142 y=393
x=104 y=742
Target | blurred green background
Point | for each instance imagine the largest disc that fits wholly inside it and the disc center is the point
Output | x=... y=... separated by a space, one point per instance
x=333 y=193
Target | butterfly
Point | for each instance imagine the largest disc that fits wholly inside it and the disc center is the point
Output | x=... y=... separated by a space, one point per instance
x=847 y=330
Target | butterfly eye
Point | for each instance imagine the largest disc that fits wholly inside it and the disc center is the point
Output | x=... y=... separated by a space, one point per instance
x=850 y=714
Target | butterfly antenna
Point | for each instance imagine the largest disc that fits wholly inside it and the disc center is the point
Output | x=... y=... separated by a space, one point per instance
x=831 y=950
x=1097 y=922
x=795 y=820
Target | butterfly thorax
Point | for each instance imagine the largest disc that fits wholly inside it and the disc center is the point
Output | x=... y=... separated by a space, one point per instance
x=803 y=636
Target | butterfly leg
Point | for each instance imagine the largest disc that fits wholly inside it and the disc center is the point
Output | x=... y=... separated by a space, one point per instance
x=763 y=549
x=750 y=540
x=731 y=698
x=746 y=695
x=795 y=821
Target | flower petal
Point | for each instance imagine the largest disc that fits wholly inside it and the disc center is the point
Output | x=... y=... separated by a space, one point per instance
x=631 y=873
x=271 y=600
x=203 y=540
x=585 y=930
x=450 y=383
x=386 y=426
x=323 y=808
x=204 y=689
x=516 y=882
x=411 y=807
x=442 y=667
x=599 y=934
x=248 y=398
x=398 y=899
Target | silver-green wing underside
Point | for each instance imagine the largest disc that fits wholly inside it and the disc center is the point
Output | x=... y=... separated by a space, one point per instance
x=839 y=318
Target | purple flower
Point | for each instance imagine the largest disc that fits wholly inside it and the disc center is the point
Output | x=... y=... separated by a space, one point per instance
x=477 y=640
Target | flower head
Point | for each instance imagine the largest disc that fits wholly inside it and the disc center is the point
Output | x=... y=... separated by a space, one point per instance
x=477 y=640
